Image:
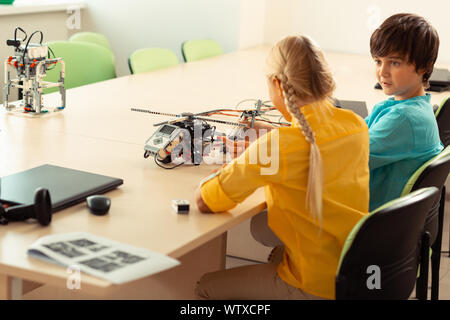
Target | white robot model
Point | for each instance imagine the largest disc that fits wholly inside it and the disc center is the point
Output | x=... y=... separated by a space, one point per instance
x=31 y=62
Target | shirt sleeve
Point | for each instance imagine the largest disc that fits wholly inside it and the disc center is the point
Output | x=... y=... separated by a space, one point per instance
x=391 y=140
x=258 y=166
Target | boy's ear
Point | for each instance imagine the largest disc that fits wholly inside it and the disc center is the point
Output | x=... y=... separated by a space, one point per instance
x=421 y=72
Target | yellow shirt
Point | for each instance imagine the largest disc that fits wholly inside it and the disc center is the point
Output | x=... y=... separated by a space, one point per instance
x=312 y=254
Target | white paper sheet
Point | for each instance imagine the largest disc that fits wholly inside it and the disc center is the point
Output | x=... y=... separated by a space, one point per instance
x=104 y=258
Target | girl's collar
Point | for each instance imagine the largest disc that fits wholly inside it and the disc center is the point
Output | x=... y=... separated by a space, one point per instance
x=309 y=109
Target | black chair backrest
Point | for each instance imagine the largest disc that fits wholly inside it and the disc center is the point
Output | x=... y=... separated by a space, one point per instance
x=389 y=238
x=434 y=175
x=443 y=121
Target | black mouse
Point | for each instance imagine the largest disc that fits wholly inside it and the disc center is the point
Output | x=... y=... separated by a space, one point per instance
x=99 y=205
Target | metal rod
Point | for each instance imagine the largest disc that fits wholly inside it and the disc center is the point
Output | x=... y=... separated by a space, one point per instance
x=221 y=121
x=155 y=112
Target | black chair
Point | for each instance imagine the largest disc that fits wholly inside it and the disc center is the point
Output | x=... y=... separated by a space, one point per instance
x=432 y=174
x=443 y=120
x=390 y=238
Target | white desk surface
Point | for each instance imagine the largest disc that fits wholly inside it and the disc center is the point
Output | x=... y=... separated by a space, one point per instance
x=97 y=132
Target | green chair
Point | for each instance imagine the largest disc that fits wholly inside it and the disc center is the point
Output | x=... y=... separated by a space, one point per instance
x=151 y=59
x=91 y=37
x=85 y=63
x=194 y=50
x=388 y=241
x=432 y=174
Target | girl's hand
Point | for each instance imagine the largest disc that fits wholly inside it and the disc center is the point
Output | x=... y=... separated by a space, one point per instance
x=261 y=127
x=235 y=148
x=200 y=203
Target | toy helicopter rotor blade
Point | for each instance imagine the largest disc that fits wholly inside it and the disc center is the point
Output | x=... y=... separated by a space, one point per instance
x=178 y=120
x=171 y=121
x=155 y=112
x=221 y=121
x=204 y=113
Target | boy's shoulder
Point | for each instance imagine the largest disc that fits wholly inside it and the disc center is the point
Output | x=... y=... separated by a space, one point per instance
x=408 y=106
x=417 y=101
x=417 y=111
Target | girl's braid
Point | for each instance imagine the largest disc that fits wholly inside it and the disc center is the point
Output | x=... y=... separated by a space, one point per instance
x=290 y=98
x=315 y=176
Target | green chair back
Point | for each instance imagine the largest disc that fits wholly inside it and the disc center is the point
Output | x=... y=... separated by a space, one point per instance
x=413 y=182
x=91 y=37
x=151 y=59
x=389 y=238
x=194 y=50
x=85 y=63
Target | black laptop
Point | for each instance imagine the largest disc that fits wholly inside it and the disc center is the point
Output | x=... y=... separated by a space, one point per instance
x=67 y=186
x=358 y=107
x=440 y=77
x=440 y=80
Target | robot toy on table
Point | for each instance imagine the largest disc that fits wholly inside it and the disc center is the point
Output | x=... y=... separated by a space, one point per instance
x=31 y=61
x=189 y=137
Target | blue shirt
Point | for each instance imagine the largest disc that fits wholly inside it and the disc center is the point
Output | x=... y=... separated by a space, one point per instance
x=403 y=136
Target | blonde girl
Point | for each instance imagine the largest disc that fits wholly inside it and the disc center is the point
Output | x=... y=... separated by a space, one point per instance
x=319 y=192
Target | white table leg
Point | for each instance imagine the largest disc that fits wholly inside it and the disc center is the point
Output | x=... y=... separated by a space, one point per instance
x=16 y=289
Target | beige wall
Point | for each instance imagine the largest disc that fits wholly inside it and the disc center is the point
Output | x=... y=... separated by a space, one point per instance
x=346 y=26
x=252 y=20
x=166 y=24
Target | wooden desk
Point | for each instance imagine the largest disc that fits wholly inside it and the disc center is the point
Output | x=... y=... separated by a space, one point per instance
x=98 y=133
x=140 y=215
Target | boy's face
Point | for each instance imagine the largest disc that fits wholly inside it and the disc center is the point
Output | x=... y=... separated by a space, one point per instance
x=397 y=77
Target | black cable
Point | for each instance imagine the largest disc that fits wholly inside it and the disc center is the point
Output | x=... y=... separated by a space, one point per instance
x=15 y=34
x=37 y=31
x=48 y=54
x=53 y=54
x=161 y=166
x=28 y=42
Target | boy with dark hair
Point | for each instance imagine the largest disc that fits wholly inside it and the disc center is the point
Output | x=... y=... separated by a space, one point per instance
x=403 y=130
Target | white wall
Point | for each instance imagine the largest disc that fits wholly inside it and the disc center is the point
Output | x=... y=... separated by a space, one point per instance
x=343 y=26
x=252 y=20
x=278 y=20
x=135 y=24
x=346 y=25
